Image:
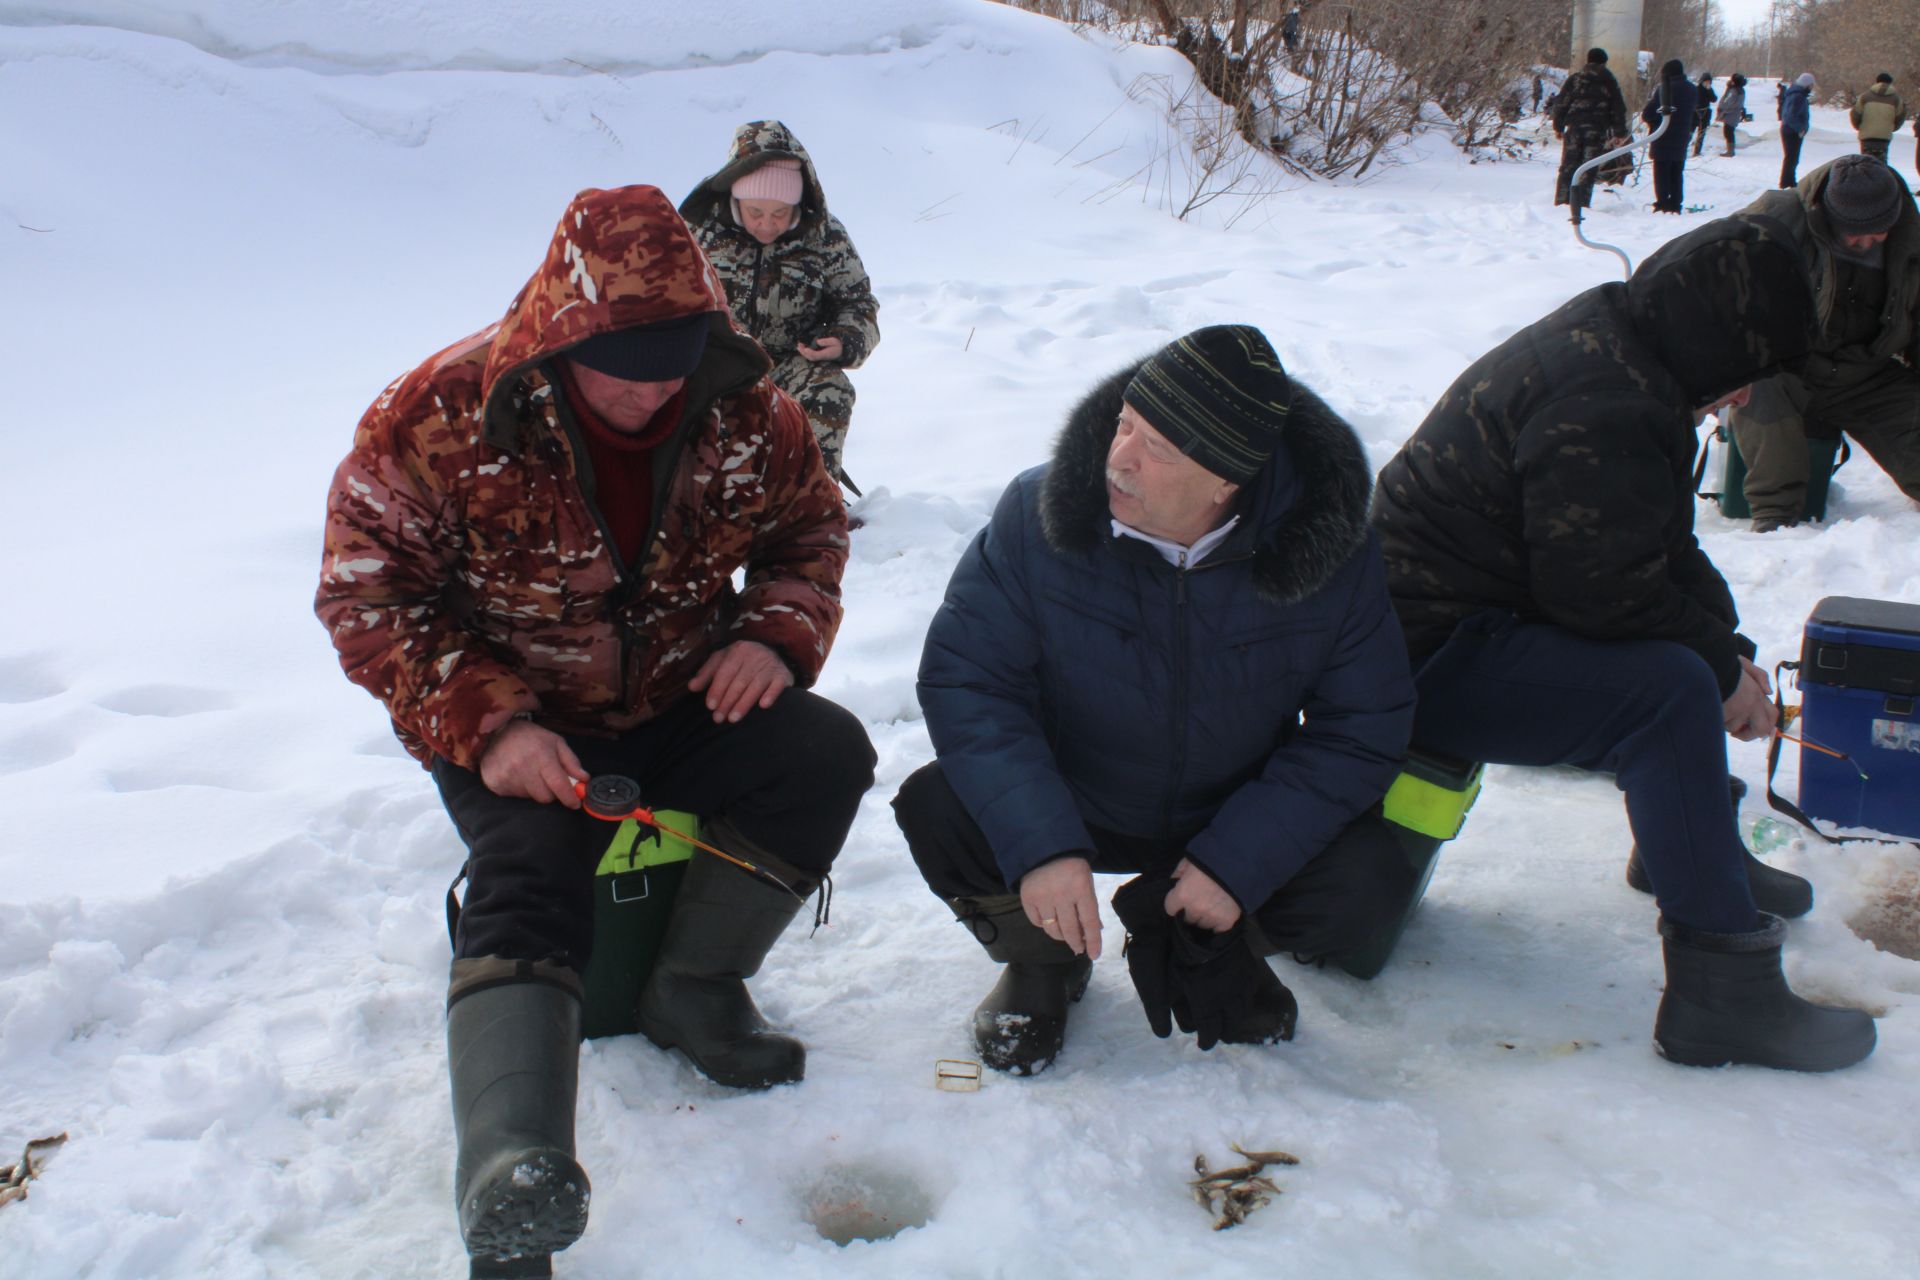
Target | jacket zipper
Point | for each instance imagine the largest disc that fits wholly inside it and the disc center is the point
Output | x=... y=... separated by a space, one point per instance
x=627 y=581
x=753 y=294
x=1178 y=737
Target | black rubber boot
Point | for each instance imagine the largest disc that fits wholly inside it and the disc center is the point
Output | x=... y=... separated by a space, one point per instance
x=1727 y=1002
x=725 y=920
x=1022 y=1024
x=1777 y=892
x=513 y=1051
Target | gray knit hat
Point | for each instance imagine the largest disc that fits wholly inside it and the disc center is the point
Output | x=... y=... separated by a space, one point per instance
x=1220 y=395
x=1862 y=196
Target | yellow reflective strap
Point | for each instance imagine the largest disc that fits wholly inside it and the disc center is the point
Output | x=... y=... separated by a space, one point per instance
x=1428 y=807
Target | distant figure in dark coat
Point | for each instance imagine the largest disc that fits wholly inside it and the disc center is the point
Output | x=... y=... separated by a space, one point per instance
x=1591 y=117
x=1675 y=101
x=1796 y=117
x=1703 y=110
x=1538 y=534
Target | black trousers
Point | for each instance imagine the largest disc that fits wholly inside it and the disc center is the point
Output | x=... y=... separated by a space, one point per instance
x=1339 y=900
x=1727 y=132
x=1669 y=185
x=1790 y=157
x=789 y=779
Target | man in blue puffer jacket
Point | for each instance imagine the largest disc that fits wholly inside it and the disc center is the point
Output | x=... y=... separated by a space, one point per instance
x=1170 y=652
x=1796 y=117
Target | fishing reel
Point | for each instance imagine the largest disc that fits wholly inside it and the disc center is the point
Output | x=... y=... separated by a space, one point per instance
x=612 y=797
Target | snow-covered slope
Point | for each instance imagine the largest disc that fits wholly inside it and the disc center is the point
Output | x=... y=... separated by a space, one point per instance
x=222 y=955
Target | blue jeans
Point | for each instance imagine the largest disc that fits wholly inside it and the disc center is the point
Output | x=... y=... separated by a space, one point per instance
x=1647 y=711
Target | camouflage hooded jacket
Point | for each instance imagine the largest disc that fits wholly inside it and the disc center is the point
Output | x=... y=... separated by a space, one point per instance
x=807 y=284
x=468 y=576
x=1591 y=105
x=1553 y=482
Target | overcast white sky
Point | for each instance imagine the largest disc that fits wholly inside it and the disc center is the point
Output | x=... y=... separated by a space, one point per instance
x=1740 y=14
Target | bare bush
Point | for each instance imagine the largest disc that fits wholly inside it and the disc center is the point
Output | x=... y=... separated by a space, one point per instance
x=1363 y=75
x=1202 y=158
x=1853 y=43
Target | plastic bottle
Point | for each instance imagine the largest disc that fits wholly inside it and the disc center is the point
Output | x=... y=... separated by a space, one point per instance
x=1763 y=832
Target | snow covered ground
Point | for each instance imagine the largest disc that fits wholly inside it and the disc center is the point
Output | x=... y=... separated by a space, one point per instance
x=222 y=954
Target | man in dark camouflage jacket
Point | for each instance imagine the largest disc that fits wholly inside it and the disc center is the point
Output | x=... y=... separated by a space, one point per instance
x=802 y=293
x=1538 y=533
x=529 y=560
x=1589 y=115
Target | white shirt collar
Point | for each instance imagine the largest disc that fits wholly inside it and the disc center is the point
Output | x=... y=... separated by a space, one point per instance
x=1176 y=555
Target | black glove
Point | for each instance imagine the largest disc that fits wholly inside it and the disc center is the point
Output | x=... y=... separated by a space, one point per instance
x=1215 y=979
x=1141 y=904
x=1206 y=982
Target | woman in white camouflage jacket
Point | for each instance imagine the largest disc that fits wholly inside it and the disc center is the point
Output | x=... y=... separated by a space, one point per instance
x=791 y=274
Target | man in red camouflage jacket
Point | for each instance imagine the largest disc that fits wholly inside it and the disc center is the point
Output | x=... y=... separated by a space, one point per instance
x=530 y=559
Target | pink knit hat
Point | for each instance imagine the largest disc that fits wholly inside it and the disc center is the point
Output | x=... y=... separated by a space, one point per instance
x=776 y=180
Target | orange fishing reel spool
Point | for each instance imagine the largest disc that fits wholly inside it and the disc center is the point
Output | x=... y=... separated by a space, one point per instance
x=611 y=797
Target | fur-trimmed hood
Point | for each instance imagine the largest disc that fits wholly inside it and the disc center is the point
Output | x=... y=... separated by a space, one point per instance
x=1302 y=518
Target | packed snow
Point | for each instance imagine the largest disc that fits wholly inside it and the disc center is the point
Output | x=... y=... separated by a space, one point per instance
x=222 y=950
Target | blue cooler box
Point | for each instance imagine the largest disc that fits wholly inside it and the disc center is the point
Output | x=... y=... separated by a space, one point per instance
x=1859 y=678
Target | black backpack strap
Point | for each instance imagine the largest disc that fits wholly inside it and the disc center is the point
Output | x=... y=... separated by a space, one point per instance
x=453 y=902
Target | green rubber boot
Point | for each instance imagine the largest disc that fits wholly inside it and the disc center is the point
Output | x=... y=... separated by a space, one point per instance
x=513 y=1054
x=725 y=920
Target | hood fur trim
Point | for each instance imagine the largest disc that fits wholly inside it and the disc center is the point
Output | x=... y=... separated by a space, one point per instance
x=1300 y=542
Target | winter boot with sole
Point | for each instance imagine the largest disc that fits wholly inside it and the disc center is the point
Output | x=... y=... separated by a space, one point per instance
x=1778 y=892
x=725 y=920
x=1022 y=1024
x=513 y=1051
x=1727 y=1002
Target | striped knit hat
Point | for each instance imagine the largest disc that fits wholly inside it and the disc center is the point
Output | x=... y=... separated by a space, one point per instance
x=1220 y=395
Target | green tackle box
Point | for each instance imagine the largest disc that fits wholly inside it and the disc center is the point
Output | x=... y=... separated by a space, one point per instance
x=1724 y=473
x=633 y=892
x=1424 y=808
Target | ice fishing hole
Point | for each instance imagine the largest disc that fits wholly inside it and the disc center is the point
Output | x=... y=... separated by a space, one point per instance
x=849 y=1202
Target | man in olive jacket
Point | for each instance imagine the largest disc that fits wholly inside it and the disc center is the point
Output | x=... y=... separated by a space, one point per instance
x=1858 y=233
x=1538 y=532
x=1877 y=115
x=1170 y=652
